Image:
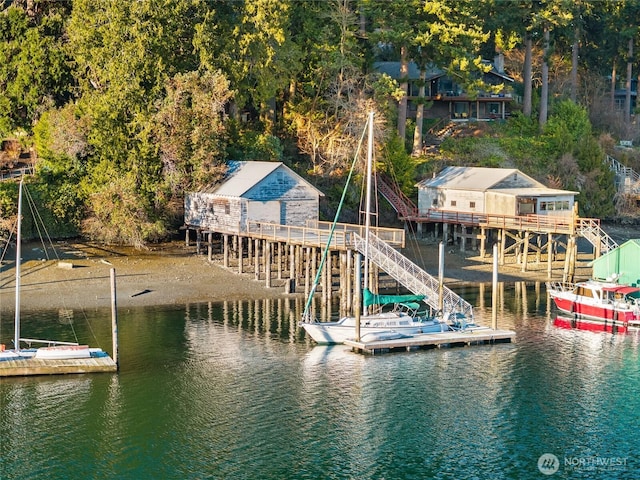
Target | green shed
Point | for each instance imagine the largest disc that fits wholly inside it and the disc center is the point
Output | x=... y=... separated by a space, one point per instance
x=621 y=264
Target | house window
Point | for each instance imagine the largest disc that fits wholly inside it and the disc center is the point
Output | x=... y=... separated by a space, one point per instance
x=227 y=209
x=553 y=206
x=434 y=203
x=453 y=203
x=472 y=204
x=446 y=85
x=461 y=110
x=494 y=108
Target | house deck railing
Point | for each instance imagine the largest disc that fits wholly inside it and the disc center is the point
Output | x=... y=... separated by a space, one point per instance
x=535 y=223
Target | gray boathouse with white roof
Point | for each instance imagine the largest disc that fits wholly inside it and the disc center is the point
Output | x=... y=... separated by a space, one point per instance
x=254 y=191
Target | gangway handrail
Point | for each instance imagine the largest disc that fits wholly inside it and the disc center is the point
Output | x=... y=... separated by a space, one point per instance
x=411 y=275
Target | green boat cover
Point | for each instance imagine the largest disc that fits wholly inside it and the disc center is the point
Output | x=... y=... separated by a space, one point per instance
x=375 y=299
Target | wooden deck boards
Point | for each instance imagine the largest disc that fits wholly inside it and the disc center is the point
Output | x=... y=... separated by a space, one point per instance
x=428 y=340
x=32 y=366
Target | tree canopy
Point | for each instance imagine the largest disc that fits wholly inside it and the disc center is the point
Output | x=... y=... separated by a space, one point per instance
x=128 y=105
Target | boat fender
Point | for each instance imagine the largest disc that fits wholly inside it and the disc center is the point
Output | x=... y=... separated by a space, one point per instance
x=2 y=347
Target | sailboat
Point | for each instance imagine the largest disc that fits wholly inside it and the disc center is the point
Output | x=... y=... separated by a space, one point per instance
x=406 y=317
x=53 y=350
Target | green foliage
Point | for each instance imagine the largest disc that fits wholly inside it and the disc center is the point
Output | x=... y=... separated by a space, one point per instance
x=520 y=124
x=34 y=71
x=529 y=153
x=568 y=124
x=251 y=145
x=400 y=165
x=118 y=213
x=192 y=136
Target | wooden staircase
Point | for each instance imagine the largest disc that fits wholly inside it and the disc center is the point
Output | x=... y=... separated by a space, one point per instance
x=627 y=179
x=399 y=201
x=590 y=229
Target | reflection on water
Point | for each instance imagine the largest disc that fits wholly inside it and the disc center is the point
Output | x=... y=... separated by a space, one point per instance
x=237 y=390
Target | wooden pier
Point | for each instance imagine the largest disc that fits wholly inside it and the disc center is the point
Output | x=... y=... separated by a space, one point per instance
x=432 y=340
x=33 y=366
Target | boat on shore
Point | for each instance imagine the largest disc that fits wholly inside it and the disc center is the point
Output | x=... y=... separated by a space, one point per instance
x=597 y=305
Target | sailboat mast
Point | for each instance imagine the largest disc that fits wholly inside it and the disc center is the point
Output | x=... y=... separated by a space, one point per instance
x=367 y=221
x=16 y=340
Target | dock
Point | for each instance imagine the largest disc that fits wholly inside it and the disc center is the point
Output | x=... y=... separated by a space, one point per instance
x=33 y=366
x=432 y=340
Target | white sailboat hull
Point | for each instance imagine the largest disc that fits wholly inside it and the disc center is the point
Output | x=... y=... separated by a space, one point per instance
x=16 y=355
x=345 y=328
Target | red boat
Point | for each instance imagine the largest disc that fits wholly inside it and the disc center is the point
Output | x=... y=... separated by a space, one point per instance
x=612 y=306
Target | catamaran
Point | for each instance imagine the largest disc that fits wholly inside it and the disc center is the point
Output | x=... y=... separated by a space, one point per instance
x=54 y=349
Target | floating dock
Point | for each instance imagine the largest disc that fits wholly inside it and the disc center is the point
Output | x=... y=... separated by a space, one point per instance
x=33 y=366
x=432 y=340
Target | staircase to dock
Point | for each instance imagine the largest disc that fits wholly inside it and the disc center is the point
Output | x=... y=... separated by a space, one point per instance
x=627 y=179
x=411 y=276
x=590 y=229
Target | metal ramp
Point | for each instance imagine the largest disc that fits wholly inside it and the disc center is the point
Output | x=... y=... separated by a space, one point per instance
x=415 y=279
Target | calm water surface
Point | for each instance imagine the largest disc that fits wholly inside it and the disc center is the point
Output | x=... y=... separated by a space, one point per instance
x=236 y=391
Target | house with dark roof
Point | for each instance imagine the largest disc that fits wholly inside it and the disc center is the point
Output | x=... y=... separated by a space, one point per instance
x=268 y=192
x=495 y=191
x=449 y=98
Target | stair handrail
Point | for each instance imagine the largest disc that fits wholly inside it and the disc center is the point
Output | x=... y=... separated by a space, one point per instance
x=411 y=276
x=591 y=230
x=623 y=172
x=401 y=203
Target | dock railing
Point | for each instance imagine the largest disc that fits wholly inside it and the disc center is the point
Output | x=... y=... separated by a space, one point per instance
x=317 y=233
x=392 y=236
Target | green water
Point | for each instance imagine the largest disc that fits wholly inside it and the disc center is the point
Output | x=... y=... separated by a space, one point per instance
x=236 y=391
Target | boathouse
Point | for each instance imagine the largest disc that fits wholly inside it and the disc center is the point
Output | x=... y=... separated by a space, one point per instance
x=491 y=191
x=622 y=264
x=253 y=191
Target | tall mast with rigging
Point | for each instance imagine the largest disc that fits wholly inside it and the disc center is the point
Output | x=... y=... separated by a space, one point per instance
x=367 y=221
x=16 y=340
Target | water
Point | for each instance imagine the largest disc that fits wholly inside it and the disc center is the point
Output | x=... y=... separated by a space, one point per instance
x=236 y=391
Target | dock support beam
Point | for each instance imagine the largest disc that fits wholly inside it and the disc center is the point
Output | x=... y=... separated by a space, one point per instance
x=267 y=264
x=225 y=250
x=240 y=254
